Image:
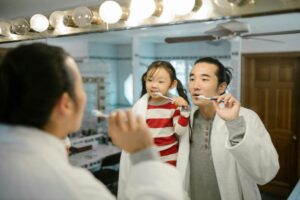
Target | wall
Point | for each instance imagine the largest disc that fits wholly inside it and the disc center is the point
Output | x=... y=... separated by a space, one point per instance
x=124 y=69
x=283 y=43
x=194 y=49
x=142 y=54
x=104 y=54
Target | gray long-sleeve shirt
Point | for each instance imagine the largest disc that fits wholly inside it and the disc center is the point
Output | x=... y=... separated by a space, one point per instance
x=203 y=181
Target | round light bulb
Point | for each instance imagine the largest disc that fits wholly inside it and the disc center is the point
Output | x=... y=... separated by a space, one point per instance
x=4 y=28
x=39 y=23
x=57 y=19
x=82 y=16
x=182 y=7
x=142 y=9
x=20 y=26
x=222 y=3
x=110 y=12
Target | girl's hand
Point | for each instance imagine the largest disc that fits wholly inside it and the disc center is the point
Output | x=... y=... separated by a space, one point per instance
x=231 y=108
x=179 y=102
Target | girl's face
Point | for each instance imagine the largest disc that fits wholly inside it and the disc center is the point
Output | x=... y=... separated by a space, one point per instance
x=158 y=80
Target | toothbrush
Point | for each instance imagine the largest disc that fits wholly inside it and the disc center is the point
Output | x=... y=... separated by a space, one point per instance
x=208 y=98
x=98 y=113
x=161 y=95
x=185 y=108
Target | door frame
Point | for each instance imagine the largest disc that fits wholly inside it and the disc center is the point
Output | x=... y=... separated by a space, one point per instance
x=243 y=86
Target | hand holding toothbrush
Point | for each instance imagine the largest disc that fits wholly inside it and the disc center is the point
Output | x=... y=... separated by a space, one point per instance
x=231 y=108
x=178 y=101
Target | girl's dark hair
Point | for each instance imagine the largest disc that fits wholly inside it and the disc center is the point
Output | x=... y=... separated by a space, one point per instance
x=32 y=78
x=223 y=74
x=170 y=69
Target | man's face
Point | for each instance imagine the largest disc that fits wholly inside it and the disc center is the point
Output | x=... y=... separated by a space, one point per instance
x=78 y=109
x=203 y=81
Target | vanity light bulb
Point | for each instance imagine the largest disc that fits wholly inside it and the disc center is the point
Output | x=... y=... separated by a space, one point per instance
x=20 y=26
x=39 y=23
x=4 y=29
x=57 y=19
x=182 y=7
x=222 y=3
x=82 y=16
x=110 y=12
x=142 y=9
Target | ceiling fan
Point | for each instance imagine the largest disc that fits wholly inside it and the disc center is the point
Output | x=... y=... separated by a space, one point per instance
x=229 y=30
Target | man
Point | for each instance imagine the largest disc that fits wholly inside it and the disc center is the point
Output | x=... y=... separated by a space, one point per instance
x=230 y=150
x=42 y=100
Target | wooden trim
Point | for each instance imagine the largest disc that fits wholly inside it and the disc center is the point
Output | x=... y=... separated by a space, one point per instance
x=243 y=75
x=3 y=51
x=298 y=113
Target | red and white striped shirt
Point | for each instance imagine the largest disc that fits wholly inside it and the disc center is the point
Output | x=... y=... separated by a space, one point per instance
x=166 y=123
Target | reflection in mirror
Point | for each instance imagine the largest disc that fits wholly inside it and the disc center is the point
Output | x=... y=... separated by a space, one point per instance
x=118 y=55
x=95 y=92
x=121 y=54
x=260 y=45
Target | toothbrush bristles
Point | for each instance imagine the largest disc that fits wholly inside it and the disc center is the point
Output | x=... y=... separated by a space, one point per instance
x=163 y=96
x=208 y=98
x=98 y=113
x=158 y=93
x=203 y=97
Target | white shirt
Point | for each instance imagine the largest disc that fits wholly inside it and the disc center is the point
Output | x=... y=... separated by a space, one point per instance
x=34 y=165
x=240 y=168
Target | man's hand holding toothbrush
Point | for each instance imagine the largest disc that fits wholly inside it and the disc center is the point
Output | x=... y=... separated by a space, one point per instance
x=229 y=109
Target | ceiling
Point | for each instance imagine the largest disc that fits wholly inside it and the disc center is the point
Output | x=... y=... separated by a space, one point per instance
x=270 y=23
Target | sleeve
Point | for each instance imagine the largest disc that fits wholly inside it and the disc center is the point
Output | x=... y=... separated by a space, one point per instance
x=144 y=155
x=147 y=180
x=181 y=121
x=152 y=180
x=148 y=177
x=236 y=129
x=124 y=170
x=255 y=153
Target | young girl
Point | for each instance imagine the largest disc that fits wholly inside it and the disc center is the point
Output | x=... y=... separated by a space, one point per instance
x=167 y=117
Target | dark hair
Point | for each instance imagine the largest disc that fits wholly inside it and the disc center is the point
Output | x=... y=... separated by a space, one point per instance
x=170 y=69
x=32 y=78
x=223 y=74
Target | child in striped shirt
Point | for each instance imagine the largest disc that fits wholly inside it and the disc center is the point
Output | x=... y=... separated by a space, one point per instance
x=167 y=117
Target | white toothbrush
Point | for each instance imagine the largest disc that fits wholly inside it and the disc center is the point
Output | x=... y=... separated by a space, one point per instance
x=98 y=113
x=208 y=98
x=163 y=96
x=185 y=108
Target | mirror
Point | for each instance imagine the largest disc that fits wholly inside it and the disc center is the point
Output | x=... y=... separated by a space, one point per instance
x=94 y=87
x=121 y=57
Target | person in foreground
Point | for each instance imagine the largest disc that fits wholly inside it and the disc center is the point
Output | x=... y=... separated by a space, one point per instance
x=42 y=100
x=230 y=150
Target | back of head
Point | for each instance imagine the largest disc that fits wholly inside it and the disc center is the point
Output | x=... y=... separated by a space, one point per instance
x=32 y=78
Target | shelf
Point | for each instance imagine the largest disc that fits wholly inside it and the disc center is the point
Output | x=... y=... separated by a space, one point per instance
x=92 y=158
